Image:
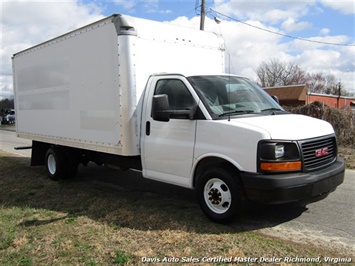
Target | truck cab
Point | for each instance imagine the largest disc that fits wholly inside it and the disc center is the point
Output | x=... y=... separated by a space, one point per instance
x=225 y=137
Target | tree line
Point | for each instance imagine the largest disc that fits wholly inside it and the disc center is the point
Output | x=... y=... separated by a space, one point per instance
x=7 y=103
x=275 y=73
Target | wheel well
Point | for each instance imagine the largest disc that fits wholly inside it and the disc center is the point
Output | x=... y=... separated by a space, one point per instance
x=210 y=162
x=39 y=150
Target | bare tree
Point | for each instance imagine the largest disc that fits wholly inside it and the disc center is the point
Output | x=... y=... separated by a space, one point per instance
x=327 y=84
x=275 y=73
x=270 y=73
x=294 y=75
x=316 y=83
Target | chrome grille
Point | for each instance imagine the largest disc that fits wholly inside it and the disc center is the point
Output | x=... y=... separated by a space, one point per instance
x=318 y=153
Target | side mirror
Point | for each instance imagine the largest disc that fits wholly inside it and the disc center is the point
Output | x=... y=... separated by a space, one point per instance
x=160 y=108
x=276 y=99
x=161 y=111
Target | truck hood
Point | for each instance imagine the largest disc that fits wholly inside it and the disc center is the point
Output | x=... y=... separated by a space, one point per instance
x=288 y=126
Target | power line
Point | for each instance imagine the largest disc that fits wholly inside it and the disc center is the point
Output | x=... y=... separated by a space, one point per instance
x=197 y=7
x=133 y=7
x=281 y=34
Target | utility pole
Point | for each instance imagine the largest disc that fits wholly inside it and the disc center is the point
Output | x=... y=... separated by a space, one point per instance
x=203 y=15
x=339 y=94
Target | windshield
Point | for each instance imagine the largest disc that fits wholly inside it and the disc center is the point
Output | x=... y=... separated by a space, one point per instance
x=231 y=95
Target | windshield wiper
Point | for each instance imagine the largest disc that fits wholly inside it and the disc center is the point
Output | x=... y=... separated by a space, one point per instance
x=274 y=109
x=237 y=112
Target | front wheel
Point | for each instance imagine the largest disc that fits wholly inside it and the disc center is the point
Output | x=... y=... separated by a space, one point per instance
x=220 y=194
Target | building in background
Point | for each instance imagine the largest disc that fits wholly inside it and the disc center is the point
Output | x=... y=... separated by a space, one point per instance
x=296 y=95
x=290 y=96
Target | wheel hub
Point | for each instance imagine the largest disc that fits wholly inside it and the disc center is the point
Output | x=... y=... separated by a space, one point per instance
x=52 y=165
x=215 y=196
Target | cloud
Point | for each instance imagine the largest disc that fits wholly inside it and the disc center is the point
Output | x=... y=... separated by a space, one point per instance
x=6 y=86
x=26 y=23
x=320 y=42
x=346 y=7
x=159 y=11
x=339 y=62
x=324 y=31
x=125 y=4
x=290 y=25
x=247 y=47
x=265 y=10
x=150 y=6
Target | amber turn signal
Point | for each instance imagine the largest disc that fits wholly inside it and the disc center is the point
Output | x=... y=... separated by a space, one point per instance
x=281 y=166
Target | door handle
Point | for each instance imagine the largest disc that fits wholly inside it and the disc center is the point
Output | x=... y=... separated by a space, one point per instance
x=147 y=128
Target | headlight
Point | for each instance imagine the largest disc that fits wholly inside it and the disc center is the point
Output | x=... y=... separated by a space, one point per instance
x=271 y=151
x=278 y=157
x=279 y=151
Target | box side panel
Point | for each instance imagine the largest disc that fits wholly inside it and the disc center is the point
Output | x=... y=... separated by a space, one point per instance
x=84 y=89
x=160 y=48
x=166 y=48
x=67 y=90
x=147 y=47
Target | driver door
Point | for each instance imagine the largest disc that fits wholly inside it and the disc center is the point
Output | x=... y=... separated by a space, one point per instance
x=168 y=147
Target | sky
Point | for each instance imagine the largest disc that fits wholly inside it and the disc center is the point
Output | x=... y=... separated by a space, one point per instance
x=317 y=35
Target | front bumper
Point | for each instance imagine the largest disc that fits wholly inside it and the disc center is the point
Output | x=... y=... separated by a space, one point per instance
x=293 y=187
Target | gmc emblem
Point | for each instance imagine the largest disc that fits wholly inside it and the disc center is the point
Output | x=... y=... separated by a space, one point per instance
x=322 y=152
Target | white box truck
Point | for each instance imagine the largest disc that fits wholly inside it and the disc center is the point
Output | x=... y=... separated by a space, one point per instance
x=134 y=93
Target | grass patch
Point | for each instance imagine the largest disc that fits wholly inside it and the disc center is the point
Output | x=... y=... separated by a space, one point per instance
x=121 y=258
x=83 y=222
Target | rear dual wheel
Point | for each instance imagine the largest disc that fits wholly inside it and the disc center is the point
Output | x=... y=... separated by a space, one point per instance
x=59 y=164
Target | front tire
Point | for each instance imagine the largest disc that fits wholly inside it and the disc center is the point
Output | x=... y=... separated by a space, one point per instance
x=220 y=194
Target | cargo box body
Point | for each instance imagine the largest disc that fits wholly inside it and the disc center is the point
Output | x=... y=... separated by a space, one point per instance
x=84 y=89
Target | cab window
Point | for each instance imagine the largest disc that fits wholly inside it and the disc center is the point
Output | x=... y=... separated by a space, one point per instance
x=179 y=96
